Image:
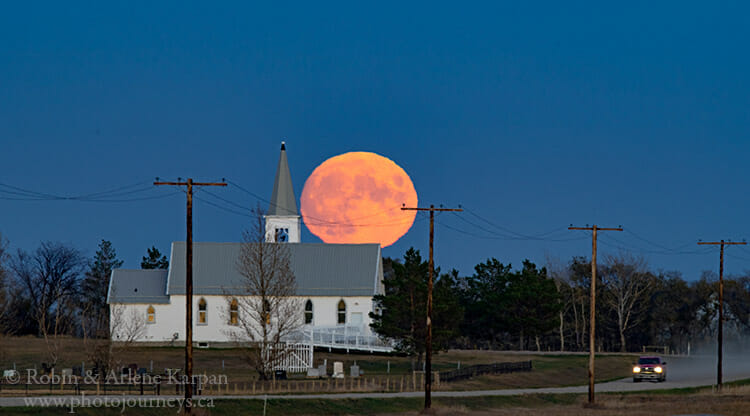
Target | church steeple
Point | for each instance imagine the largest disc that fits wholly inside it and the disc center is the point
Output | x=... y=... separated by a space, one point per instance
x=282 y=198
x=283 y=220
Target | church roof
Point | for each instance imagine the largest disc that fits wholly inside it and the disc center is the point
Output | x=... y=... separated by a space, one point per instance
x=138 y=286
x=319 y=269
x=282 y=198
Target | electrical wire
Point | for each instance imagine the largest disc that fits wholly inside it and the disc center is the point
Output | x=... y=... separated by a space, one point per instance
x=502 y=236
x=326 y=222
x=610 y=241
x=508 y=230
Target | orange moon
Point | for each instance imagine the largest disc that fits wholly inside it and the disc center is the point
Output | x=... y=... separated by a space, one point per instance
x=356 y=197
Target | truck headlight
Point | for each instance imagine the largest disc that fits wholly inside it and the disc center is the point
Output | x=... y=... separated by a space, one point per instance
x=658 y=369
x=636 y=369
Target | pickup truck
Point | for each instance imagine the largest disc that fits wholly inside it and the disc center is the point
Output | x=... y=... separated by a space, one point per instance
x=650 y=368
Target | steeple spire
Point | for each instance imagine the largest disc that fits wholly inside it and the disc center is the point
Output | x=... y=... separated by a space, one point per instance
x=283 y=202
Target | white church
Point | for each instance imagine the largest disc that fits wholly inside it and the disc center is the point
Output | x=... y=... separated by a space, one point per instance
x=335 y=283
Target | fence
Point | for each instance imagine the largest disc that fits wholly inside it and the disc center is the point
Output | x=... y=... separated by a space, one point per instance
x=403 y=383
x=295 y=358
x=477 y=370
x=163 y=384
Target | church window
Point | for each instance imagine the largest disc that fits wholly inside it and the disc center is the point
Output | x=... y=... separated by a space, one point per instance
x=150 y=315
x=282 y=235
x=342 y=312
x=202 y=312
x=234 y=312
x=267 y=311
x=308 y=312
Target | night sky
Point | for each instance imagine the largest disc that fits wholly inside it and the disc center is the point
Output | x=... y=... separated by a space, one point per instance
x=531 y=115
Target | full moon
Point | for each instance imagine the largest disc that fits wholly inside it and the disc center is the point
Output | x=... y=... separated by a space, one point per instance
x=356 y=197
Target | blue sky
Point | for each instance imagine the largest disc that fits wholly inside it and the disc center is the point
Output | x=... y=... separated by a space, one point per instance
x=532 y=115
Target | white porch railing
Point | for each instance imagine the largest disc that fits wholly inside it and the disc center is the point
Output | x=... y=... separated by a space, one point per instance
x=345 y=337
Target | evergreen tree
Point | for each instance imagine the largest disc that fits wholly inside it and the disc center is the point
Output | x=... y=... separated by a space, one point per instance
x=402 y=314
x=94 y=290
x=534 y=303
x=154 y=260
x=485 y=301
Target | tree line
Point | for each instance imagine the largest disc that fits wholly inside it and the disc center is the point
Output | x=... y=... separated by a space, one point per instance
x=55 y=291
x=547 y=308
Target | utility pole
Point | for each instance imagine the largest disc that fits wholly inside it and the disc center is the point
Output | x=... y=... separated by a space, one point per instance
x=428 y=340
x=189 y=285
x=721 y=243
x=592 y=307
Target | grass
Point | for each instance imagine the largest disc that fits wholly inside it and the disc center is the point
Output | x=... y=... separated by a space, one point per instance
x=734 y=401
x=549 y=370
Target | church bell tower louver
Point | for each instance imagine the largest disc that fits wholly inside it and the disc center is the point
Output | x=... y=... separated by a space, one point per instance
x=282 y=220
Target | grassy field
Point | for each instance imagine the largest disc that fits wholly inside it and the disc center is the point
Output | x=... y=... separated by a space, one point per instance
x=734 y=401
x=549 y=370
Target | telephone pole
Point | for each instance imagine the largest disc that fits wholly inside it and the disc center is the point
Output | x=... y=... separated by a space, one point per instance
x=721 y=243
x=592 y=307
x=189 y=284
x=428 y=340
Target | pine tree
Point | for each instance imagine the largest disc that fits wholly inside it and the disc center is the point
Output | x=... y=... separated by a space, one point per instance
x=154 y=260
x=403 y=307
x=95 y=285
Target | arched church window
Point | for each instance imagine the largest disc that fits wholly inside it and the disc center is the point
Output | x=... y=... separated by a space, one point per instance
x=150 y=315
x=234 y=312
x=267 y=311
x=308 y=312
x=342 y=312
x=282 y=235
x=202 y=312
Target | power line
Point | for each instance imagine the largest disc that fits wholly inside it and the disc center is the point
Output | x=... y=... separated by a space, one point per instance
x=720 y=325
x=311 y=220
x=631 y=247
x=110 y=195
x=308 y=221
x=25 y=192
x=112 y=191
x=592 y=325
x=431 y=272
x=189 y=283
x=222 y=207
x=508 y=230
x=734 y=256
x=504 y=237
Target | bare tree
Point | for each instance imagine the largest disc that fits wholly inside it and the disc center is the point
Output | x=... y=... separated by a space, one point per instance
x=626 y=281
x=5 y=289
x=49 y=279
x=580 y=284
x=105 y=347
x=560 y=273
x=264 y=307
x=5 y=293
